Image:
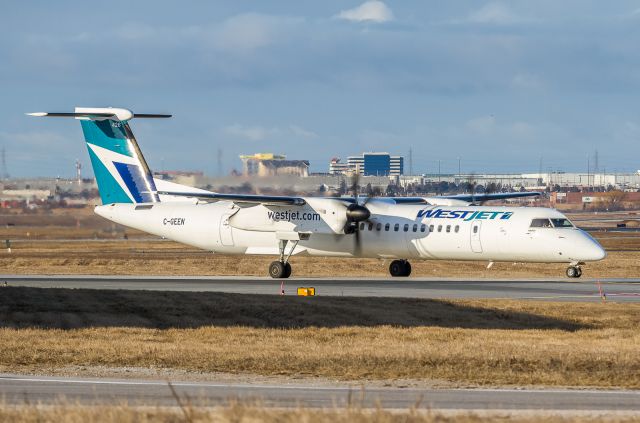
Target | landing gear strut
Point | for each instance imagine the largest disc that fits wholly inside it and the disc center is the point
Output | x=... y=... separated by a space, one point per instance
x=281 y=269
x=400 y=268
x=574 y=272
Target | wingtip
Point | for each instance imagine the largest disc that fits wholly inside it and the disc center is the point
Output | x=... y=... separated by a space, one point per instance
x=37 y=114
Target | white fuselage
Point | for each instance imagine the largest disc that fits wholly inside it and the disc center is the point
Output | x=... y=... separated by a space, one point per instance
x=393 y=231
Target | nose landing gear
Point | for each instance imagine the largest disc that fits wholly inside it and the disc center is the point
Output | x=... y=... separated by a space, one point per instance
x=400 y=268
x=574 y=272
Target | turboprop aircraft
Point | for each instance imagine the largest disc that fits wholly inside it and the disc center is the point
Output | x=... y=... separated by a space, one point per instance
x=395 y=228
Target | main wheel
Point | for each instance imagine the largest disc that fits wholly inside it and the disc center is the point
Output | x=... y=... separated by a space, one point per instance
x=407 y=268
x=287 y=270
x=579 y=272
x=400 y=268
x=277 y=270
x=573 y=272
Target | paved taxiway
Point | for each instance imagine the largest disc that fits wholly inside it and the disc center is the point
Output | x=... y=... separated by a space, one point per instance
x=15 y=389
x=627 y=290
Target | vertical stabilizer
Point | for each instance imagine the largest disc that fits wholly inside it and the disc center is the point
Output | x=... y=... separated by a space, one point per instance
x=121 y=171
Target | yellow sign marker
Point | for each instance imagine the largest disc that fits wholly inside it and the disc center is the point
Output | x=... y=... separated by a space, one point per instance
x=306 y=292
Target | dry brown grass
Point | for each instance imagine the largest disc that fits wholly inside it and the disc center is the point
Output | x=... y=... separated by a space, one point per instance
x=168 y=258
x=479 y=342
x=240 y=413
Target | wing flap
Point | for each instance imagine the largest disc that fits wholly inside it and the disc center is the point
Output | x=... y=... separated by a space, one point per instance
x=472 y=198
x=462 y=198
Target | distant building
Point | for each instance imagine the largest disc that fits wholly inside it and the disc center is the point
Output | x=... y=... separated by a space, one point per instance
x=25 y=194
x=369 y=164
x=338 y=168
x=269 y=164
x=599 y=200
x=191 y=178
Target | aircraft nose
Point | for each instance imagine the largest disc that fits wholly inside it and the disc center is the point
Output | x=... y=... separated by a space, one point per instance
x=592 y=250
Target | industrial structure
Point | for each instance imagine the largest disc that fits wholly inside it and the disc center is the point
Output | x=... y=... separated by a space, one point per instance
x=269 y=164
x=181 y=176
x=369 y=164
x=533 y=181
x=4 y=173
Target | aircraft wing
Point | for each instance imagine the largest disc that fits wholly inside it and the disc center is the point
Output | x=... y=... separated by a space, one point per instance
x=277 y=200
x=467 y=198
x=472 y=198
x=283 y=200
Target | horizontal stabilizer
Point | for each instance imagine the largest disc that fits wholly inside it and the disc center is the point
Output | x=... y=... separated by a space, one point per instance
x=100 y=113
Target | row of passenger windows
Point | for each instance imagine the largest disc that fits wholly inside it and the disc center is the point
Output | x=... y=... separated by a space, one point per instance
x=405 y=228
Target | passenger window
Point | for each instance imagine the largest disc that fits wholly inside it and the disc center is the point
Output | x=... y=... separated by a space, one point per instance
x=457 y=228
x=370 y=226
x=540 y=223
x=415 y=227
x=386 y=227
x=430 y=228
x=378 y=226
x=396 y=227
x=423 y=228
x=439 y=228
x=448 y=228
x=475 y=229
x=362 y=226
x=406 y=227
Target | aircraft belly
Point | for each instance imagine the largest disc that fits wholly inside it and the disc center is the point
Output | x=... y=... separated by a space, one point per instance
x=189 y=224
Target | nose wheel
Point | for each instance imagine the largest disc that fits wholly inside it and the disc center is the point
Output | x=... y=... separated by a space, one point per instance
x=400 y=268
x=574 y=272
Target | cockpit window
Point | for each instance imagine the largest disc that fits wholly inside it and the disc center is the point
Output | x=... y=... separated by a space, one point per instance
x=540 y=223
x=562 y=223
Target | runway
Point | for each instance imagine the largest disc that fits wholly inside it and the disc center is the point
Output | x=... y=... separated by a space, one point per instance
x=16 y=389
x=623 y=290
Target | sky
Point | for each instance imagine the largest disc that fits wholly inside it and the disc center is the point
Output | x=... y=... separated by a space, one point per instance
x=503 y=85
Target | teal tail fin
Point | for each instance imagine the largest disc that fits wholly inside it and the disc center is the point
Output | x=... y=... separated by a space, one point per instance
x=121 y=171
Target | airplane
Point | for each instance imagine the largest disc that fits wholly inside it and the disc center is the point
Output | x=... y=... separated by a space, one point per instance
x=455 y=227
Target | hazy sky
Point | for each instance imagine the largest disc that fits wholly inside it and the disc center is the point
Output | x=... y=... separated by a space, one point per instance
x=499 y=83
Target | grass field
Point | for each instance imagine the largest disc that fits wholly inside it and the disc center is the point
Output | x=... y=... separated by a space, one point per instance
x=240 y=413
x=488 y=343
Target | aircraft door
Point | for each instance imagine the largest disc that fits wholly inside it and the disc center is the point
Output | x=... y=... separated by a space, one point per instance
x=226 y=237
x=476 y=245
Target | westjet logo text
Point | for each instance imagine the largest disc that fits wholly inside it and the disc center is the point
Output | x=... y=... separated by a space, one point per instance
x=290 y=216
x=464 y=215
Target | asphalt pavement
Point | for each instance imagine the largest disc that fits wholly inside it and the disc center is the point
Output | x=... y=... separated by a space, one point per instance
x=16 y=389
x=620 y=290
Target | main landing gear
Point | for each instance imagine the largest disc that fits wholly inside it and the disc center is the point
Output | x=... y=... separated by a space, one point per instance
x=281 y=269
x=400 y=268
x=574 y=272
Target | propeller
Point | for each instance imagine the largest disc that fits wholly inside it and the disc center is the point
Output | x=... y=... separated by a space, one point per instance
x=356 y=213
x=489 y=189
x=471 y=183
x=355 y=185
